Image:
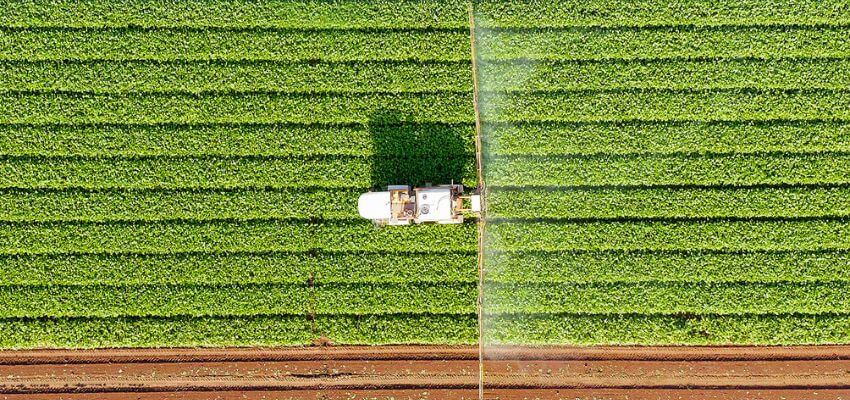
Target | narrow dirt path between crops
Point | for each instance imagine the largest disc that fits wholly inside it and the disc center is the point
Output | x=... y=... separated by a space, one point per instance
x=433 y=372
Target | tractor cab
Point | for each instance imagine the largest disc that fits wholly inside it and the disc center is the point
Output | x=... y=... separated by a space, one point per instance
x=401 y=205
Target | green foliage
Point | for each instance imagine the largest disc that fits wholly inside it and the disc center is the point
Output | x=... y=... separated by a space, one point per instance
x=153 y=300
x=715 y=235
x=246 y=140
x=675 y=169
x=236 y=76
x=238 y=268
x=650 y=13
x=154 y=205
x=690 y=266
x=283 y=14
x=400 y=328
x=189 y=44
x=179 y=236
x=235 y=299
x=550 y=76
x=688 y=202
x=669 y=106
x=181 y=331
x=665 y=172
x=250 y=108
x=224 y=173
x=187 y=174
x=409 y=298
x=670 y=298
x=646 y=329
x=403 y=267
x=260 y=330
x=663 y=42
x=740 y=137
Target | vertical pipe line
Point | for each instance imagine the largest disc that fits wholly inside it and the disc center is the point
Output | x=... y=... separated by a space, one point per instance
x=479 y=167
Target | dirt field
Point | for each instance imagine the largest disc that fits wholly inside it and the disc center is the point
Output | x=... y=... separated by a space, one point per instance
x=429 y=372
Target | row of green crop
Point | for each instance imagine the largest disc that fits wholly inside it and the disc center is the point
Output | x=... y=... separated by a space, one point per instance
x=653 y=137
x=408 y=13
x=229 y=236
x=687 y=169
x=231 y=300
x=650 y=13
x=251 y=108
x=668 y=203
x=238 y=268
x=666 y=105
x=746 y=235
x=155 y=205
x=310 y=14
x=434 y=329
x=675 y=266
x=369 y=77
x=226 y=172
x=666 y=74
x=791 y=328
x=659 y=43
x=444 y=45
x=407 y=139
x=409 y=298
x=234 y=45
x=669 y=298
x=202 y=76
x=236 y=331
x=378 y=109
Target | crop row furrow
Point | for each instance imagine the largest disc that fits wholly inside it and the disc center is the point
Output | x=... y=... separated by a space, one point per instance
x=686 y=169
x=669 y=298
x=662 y=43
x=667 y=105
x=235 y=45
x=372 y=109
x=566 y=203
x=596 y=329
x=743 y=235
x=242 y=14
x=649 y=13
x=654 y=137
x=666 y=266
x=380 y=140
x=234 y=300
x=233 y=236
x=240 y=268
x=198 y=77
x=229 y=173
x=677 y=75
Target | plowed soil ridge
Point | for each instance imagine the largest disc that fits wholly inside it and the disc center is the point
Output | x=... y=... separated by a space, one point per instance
x=408 y=372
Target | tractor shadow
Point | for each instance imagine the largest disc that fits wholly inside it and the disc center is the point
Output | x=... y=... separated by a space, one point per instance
x=415 y=153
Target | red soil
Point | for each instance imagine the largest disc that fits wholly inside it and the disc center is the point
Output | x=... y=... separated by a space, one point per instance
x=404 y=372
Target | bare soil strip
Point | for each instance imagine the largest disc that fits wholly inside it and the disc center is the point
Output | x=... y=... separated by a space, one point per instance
x=407 y=372
x=617 y=394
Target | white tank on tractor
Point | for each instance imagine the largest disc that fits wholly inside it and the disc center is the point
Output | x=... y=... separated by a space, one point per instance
x=401 y=205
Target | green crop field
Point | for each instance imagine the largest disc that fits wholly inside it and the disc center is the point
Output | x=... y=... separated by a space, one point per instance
x=186 y=173
x=666 y=172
